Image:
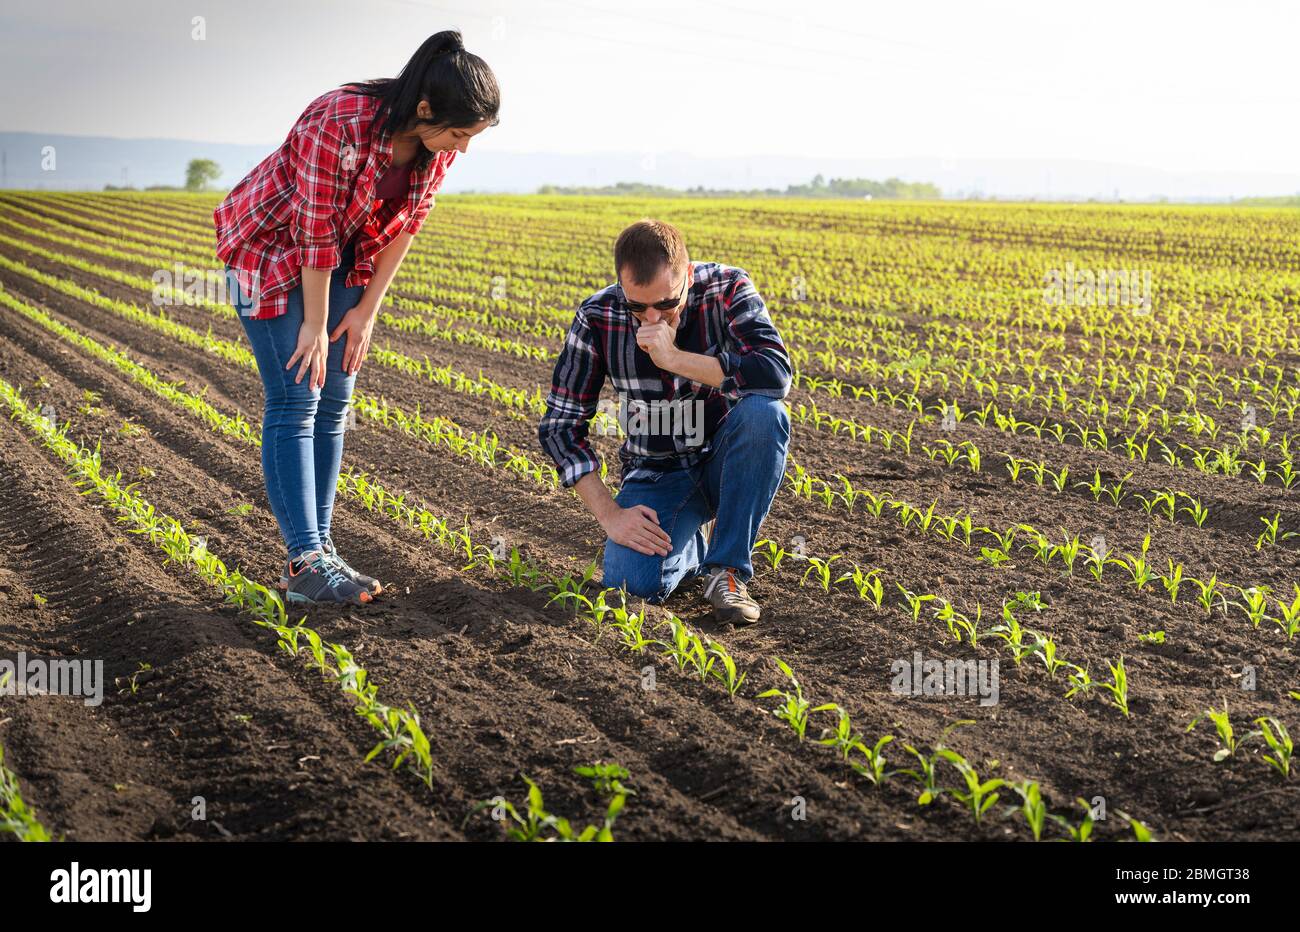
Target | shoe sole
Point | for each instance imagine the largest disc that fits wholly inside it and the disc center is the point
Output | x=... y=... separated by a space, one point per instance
x=297 y=598
x=377 y=589
x=735 y=618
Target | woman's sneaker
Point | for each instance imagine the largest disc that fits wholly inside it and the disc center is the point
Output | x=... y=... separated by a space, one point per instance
x=315 y=578
x=369 y=583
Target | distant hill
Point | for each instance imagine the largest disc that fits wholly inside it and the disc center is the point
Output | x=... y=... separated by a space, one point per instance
x=90 y=163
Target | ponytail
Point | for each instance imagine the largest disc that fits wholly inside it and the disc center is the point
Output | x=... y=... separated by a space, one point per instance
x=459 y=86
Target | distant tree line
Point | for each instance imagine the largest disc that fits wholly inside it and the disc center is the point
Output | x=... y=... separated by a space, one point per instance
x=198 y=175
x=892 y=189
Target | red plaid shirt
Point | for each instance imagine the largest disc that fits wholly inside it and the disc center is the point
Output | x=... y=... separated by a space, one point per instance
x=304 y=201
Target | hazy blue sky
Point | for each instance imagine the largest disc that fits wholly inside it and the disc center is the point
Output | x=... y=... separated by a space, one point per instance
x=1184 y=86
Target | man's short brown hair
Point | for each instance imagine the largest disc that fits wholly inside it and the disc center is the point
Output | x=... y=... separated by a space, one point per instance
x=645 y=247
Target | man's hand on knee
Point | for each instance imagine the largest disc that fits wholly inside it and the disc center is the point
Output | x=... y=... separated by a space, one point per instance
x=637 y=528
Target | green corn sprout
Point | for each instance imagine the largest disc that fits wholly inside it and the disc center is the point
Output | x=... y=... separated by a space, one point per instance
x=841 y=737
x=1118 y=686
x=725 y=669
x=794 y=710
x=1173 y=580
x=606 y=779
x=1031 y=806
x=1289 y=614
x=868 y=585
x=1068 y=551
x=1080 y=682
x=1081 y=832
x=773 y=552
x=915 y=601
x=535 y=821
x=1254 y=603
x=1047 y=650
x=873 y=761
x=1197 y=512
x=980 y=794
x=927 y=774
x=823 y=570
x=1223 y=727
x=1279 y=741
x=1207 y=589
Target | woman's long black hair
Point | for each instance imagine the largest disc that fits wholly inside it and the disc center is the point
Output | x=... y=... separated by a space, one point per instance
x=459 y=86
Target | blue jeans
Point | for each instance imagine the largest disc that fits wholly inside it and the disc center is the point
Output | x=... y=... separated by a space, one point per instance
x=736 y=483
x=302 y=427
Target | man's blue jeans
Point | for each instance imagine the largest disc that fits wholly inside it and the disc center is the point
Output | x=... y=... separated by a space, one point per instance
x=302 y=427
x=737 y=484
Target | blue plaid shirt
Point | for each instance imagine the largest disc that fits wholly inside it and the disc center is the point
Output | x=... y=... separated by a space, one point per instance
x=724 y=317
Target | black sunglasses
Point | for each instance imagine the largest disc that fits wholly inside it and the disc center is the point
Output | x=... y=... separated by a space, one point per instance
x=636 y=307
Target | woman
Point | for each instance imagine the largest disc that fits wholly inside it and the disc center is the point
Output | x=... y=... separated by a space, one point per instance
x=311 y=240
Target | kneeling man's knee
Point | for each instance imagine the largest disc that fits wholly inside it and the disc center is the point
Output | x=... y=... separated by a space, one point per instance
x=760 y=412
x=636 y=572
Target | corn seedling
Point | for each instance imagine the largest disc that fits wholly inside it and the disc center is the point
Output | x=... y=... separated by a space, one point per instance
x=927 y=774
x=868 y=585
x=872 y=765
x=979 y=794
x=1118 y=686
x=1223 y=727
x=1279 y=742
x=1031 y=807
x=794 y=709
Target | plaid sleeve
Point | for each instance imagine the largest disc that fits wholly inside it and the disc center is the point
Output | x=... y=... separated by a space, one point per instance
x=321 y=150
x=421 y=210
x=575 y=393
x=755 y=361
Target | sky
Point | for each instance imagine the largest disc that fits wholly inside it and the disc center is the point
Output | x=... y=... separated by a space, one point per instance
x=1181 y=86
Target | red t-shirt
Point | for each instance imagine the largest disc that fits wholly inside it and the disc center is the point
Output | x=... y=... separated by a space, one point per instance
x=395 y=183
x=316 y=192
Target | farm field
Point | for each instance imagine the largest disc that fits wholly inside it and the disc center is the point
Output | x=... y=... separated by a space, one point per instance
x=1098 y=496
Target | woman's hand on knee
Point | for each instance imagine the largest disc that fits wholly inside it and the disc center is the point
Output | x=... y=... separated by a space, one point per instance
x=637 y=528
x=310 y=355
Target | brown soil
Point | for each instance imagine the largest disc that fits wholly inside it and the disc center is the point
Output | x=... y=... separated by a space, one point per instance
x=505 y=685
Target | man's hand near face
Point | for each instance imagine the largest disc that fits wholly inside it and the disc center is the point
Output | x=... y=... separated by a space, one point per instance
x=659 y=341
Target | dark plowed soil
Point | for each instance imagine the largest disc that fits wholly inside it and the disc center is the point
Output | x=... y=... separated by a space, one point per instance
x=506 y=685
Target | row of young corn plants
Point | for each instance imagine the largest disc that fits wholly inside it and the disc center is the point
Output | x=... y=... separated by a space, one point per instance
x=482 y=448
x=201 y=281
x=976 y=794
x=1170 y=325
x=535 y=823
x=998 y=547
x=692 y=654
x=399 y=729
x=1232 y=459
x=983 y=376
x=1274 y=734
x=1225 y=459
x=1021 y=642
x=1168 y=503
x=17 y=817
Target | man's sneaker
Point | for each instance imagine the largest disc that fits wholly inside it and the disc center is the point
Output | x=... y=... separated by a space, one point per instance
x=314 y=578
x=368 y=583
x=730 y=599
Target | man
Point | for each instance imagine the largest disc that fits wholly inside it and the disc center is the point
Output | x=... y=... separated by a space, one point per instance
x=700 y=373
